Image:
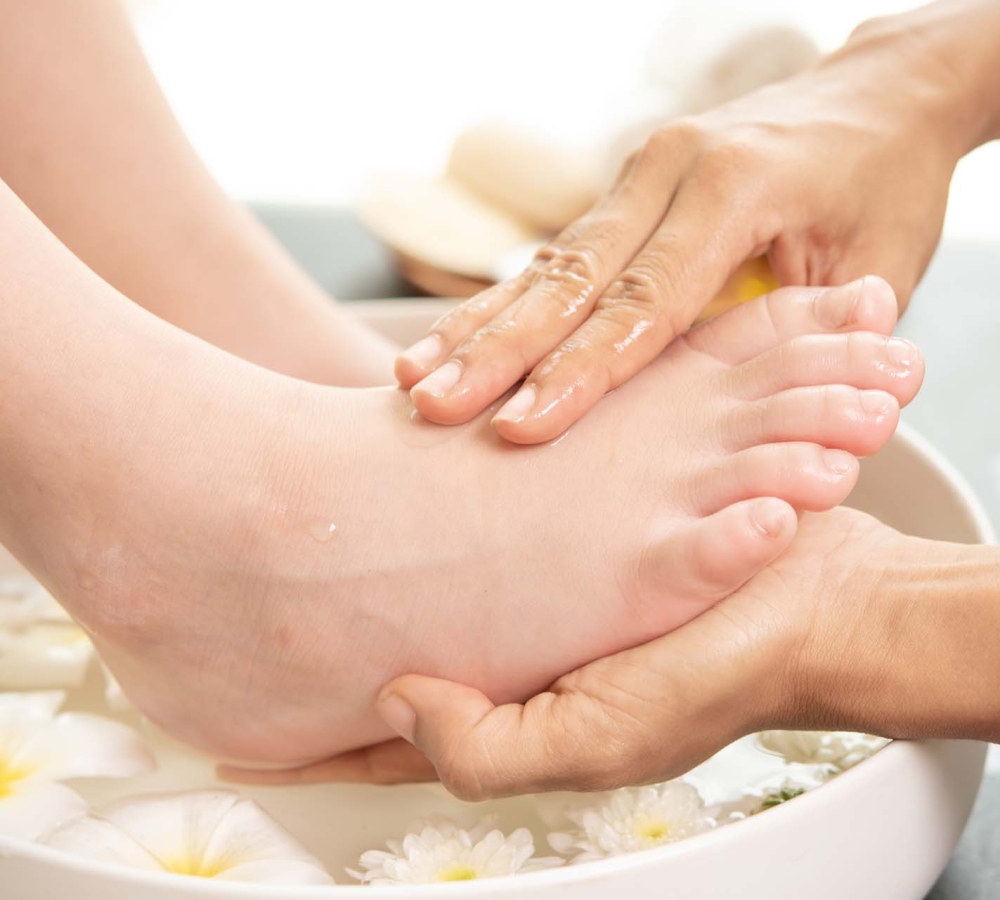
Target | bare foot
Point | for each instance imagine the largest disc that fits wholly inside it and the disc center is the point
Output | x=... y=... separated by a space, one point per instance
x=296 y=547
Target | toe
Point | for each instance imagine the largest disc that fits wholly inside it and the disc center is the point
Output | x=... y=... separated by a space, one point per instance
x=749 y=330
x=807 y=476
x=834 y=415
x=862 y=359
x=713 y=557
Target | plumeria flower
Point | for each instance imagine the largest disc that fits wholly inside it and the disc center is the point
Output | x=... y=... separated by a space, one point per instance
x=633 y=819
x=40 y=748
x=40 y=645
x=207 y=834
x=438 y=850
x=836 y=750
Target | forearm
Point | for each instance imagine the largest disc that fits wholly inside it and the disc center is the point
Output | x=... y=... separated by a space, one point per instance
x=943 y=56
x=921 y=660
x=92 y=148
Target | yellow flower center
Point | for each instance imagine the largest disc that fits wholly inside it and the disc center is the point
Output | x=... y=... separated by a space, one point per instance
x=458 y=872
x=11 y=774
x=199 y=868
x=654 y=830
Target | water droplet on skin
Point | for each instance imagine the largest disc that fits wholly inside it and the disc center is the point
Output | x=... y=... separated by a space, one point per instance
x=322 y=530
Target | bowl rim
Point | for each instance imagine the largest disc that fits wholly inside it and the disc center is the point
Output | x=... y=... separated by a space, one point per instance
x=858 y=777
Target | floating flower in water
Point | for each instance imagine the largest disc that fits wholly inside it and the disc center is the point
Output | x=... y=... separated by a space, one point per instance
x=39 y=748
x=207 y=834
x=438 y=850
x=752 y=804
x=40 y=645
x=633 y=819
x=837 y=750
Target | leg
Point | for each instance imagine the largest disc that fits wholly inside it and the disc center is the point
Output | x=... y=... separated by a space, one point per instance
x=91 y=146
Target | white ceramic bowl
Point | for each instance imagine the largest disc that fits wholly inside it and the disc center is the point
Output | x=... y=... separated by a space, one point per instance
x=881 y=831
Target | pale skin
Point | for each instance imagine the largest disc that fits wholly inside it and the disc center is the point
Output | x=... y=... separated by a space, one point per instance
x=840 y=171
x=857 y=626
x=90 y=145
x=188 y=527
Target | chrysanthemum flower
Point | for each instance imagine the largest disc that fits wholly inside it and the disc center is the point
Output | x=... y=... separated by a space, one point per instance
x=633 y=819
x=837 y=750
x=438 y=850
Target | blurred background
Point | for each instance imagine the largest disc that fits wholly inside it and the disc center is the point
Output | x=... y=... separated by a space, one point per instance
x=306 y=101
x=313 y=111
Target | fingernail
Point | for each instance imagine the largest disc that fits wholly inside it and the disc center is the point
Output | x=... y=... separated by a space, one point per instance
x=770 y=517
x=835 y=307
x=398 y=715
x=424 y=352
x=440 y=380
x=840 y=462
x=902 y=353
x=876 y=403
x=515 y=409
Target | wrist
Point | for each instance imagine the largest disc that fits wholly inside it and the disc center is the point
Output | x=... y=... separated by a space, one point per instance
x=938 y=62
x=911 y=652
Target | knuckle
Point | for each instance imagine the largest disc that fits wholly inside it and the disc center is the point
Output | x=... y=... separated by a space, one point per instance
x=664 y=143
x=641 y=286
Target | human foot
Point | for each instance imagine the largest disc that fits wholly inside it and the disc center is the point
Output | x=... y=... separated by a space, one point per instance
x=856 y=627
x=308 y=545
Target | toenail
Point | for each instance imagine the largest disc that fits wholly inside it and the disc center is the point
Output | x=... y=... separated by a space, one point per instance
x=425 y=351
x=440 y=380
x=770 y=517
x=515 y=409
x=840 y=462
x=834 y=308
x=876 y=403
x=902 y=353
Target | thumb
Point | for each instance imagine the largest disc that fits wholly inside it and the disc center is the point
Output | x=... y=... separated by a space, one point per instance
x=558 y=740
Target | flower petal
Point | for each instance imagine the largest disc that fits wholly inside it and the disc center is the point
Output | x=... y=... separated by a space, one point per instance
x=278 y=871
x=37 y=705
x=82 y=745
x=44 y=655
x=97 y=838
x=32 y=807
x=214 y=833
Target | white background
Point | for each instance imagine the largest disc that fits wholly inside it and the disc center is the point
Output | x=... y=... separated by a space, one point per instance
x=303 y=100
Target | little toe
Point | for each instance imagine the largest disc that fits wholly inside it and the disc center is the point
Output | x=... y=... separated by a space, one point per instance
x=740 y=334
x=713 y=557
x=833 y=415
x=808 y=476
x=862 y=359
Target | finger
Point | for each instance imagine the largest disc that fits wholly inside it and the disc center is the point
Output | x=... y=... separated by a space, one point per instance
x=423 y=357
x=480 y=360
x=807 y=476
x=482 y=751
x=861 y=360
x=655 y=299
x=391 y=762
x=833 y=415
x=755 y=327
x=714 y=557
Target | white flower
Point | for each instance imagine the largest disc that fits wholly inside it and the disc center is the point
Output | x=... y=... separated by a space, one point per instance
x=40 y=748
x=754 y=803
x=438 y=850
x=837 y=750
x=40 y=645
x=207 y=834
x=633 y=819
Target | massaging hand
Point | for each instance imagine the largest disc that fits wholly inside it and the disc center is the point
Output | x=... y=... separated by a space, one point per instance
x=841 y=171
x=856 y=627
